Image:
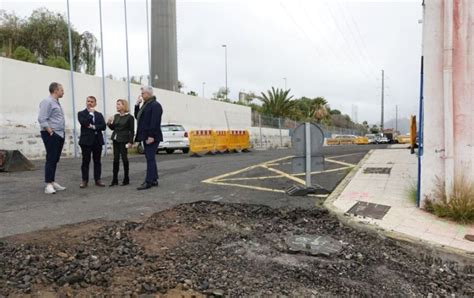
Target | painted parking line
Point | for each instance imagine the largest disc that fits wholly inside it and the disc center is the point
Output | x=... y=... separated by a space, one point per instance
x=281 y=176
x=244 y=169
x=340 y=162
x=325 y=171
x=226 y=180
x=258 y=188
x=350 y=154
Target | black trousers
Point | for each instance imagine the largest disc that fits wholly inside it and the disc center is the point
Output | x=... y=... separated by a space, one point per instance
x=54 y=146
x=96 y=151
x=120 y=151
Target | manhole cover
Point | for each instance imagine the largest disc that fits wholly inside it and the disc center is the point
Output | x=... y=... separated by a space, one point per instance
x=313 y=245
x=469 y=237
x=375 y=211
x=377 y=170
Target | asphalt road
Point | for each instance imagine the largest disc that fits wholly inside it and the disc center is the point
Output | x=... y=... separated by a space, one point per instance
x=25 y=208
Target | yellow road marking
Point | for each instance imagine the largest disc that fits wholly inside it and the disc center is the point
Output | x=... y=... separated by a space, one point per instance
x=219 y=180
x=257 y=188
x=245 y=186
x=340 y=162
x=325 y=171
x=251 y=178
x=284 y=174
x=351 y=154
x=278 y=164
x=245 y=169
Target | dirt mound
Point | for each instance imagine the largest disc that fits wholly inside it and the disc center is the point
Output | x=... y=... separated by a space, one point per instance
x=218 y=249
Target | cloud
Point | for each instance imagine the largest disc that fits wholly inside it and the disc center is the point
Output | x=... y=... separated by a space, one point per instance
x=334 y=49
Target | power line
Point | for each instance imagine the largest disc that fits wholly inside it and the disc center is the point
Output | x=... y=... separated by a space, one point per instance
x=338 y=27
x=362 y=48
x=331 y=49
x=308 y=39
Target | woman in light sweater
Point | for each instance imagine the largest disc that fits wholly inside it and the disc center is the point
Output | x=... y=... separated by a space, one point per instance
x=123 y=125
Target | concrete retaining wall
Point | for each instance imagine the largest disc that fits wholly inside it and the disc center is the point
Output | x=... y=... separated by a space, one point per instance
x=24 y=85
x=270 y=137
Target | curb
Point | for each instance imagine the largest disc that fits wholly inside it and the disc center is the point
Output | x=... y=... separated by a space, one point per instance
x=451 y=254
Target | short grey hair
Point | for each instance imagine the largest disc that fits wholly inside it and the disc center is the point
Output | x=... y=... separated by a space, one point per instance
x=148 y=89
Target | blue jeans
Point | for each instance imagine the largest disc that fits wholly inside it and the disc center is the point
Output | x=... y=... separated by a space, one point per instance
x=54 y=146
x=151 y=168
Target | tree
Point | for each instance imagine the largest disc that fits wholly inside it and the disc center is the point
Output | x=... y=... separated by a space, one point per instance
x=308 y=109
x=23 y=54
x=88 y=52
x=221 y=94
x=192 y=93
x=277 y=103
x=58 y=62
x=180 y=86
x=10 y=32
x=135 y=80
x=374 y=129
x=45 y=34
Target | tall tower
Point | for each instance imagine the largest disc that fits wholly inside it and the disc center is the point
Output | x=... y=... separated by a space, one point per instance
x=164 y=54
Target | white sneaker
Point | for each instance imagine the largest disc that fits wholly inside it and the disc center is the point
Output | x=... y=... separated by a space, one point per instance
x=58 y=187
x=49 y=189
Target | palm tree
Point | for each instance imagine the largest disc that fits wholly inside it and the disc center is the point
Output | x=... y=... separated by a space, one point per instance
x=312 y=109
x=320 y=109
x=277 y=103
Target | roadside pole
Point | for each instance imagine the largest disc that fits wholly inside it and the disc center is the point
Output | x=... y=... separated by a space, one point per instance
x=279 y=127
x=307 y=130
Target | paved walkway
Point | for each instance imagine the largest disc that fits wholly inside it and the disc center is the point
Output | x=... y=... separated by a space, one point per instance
x=392 y=190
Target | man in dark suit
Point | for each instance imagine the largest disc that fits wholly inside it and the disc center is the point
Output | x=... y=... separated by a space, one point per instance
x=91 y=141
x=149 y=132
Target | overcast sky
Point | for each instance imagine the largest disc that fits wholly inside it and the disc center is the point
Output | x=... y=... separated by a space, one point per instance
x=330 y=48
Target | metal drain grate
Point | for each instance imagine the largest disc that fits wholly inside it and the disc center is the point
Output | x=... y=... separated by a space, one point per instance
x=377 y=171
x=365 y=209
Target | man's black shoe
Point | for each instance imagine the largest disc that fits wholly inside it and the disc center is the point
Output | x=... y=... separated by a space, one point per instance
x=154 y=183
x=144 y=186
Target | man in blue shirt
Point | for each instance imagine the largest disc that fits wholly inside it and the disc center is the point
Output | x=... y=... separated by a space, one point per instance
x=52 y=125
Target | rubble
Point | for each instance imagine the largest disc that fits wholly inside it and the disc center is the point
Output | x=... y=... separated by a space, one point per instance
x=217 y=249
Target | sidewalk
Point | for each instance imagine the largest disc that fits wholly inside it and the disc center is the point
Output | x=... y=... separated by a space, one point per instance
x=395 y=211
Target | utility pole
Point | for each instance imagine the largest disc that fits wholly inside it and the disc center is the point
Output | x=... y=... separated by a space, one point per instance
x=396 y=117
x=381 y=120
x=226 y=87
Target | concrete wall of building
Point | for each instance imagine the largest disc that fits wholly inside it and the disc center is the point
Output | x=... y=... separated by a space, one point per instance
x=448 y=50
x=23 y=85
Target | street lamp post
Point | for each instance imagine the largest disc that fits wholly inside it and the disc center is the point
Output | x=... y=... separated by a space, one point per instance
x=203 y=84
x=226 y=88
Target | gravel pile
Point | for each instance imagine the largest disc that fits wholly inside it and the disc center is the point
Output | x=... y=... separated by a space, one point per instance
x=217 y=249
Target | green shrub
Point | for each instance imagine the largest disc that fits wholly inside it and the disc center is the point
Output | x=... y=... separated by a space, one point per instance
x=460 y=206
x=23 y=54
x=58 y=62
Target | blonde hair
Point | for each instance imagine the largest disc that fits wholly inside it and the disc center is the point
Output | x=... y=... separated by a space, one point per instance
x=125 y=105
